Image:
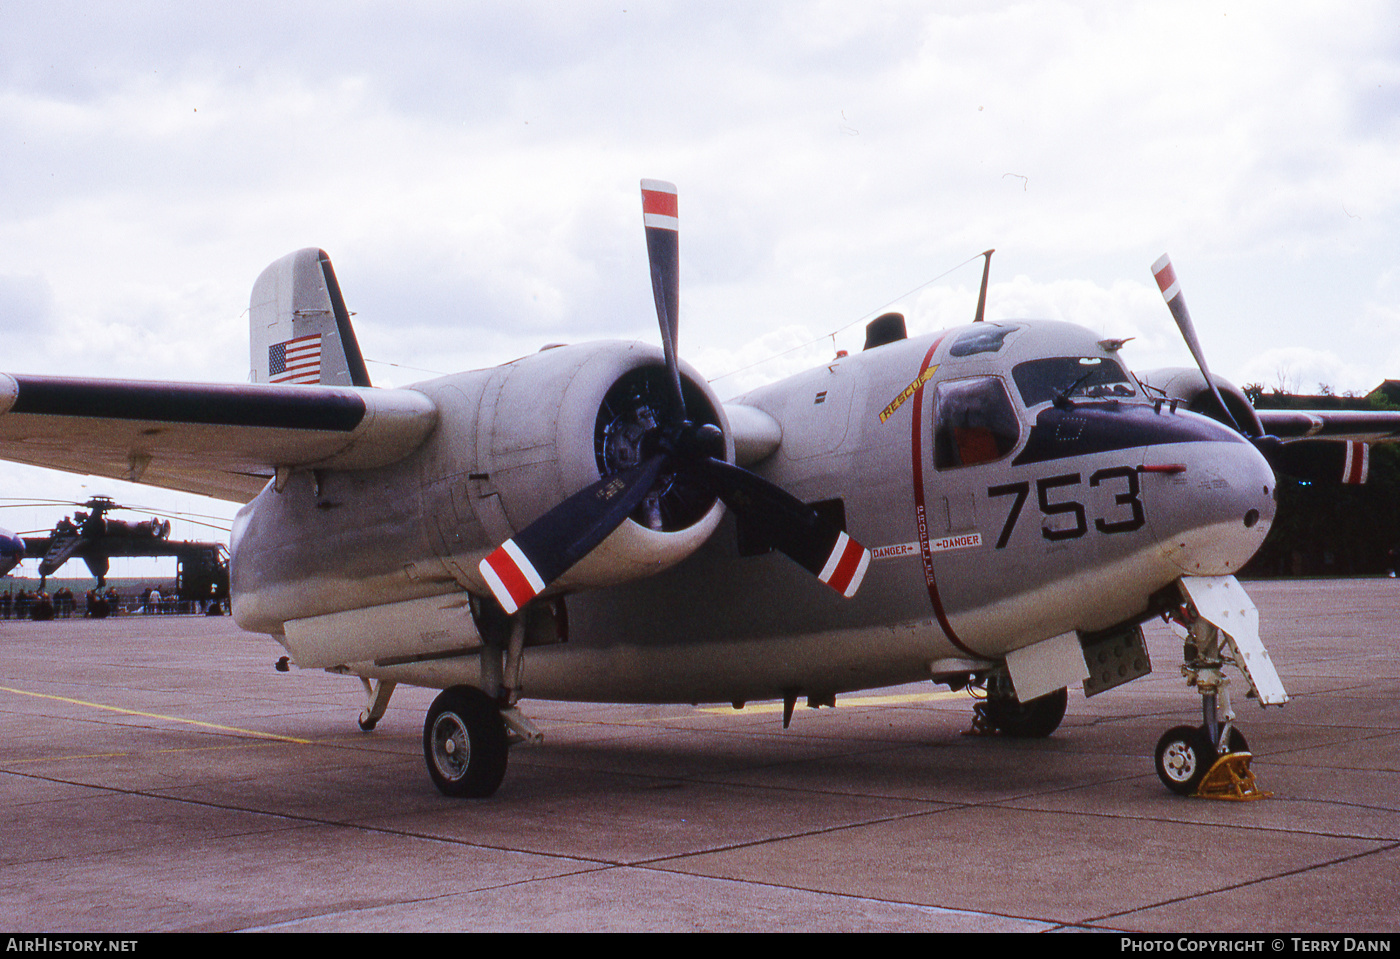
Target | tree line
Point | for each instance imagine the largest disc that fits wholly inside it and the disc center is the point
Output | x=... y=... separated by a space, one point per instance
x=1328 y=529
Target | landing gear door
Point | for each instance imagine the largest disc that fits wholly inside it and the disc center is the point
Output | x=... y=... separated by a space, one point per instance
x=1222 y=602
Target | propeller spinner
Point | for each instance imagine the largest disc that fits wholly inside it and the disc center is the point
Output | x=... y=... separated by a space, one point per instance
x=673 y=447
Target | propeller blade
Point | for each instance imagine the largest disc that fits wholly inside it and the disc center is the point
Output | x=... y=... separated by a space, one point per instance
x=1171 y=292
x=794 y=528
x=521 y=567
x=660 y=216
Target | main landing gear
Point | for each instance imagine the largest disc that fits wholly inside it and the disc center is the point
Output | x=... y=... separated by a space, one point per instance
x=465 y=743
x=468 y=733
x=1001 y=712
x=1220 y=627
x=469 y=729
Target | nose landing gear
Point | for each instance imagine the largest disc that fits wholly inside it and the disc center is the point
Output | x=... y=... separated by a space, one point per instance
x=1221 y=628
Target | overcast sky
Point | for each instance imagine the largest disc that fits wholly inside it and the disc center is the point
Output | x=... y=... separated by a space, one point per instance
x=472 y=169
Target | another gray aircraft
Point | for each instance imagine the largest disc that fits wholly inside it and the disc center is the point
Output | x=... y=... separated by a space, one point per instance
x=591 y=522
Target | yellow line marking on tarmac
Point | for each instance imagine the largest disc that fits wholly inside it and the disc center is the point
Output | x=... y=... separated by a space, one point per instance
x=848 y=701
x=171 y=719
x=6 y=763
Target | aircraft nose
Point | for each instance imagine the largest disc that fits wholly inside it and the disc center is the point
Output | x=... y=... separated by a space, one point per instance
x=1210 y=504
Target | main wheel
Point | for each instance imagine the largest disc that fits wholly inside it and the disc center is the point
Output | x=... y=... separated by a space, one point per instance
x=464 y=743
x=1184 y=756
x=1033 y=720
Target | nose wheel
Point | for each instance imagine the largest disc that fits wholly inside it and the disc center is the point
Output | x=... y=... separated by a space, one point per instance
x=1190 y=763
x=1184 y=756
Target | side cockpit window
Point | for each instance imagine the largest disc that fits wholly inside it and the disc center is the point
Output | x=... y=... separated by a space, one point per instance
x=974 y=422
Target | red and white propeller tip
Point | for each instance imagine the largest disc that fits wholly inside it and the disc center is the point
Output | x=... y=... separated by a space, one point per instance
x=660 y=205
x=846 y=566
x=511 y=576
x=1166 y=278
x=1167 y=282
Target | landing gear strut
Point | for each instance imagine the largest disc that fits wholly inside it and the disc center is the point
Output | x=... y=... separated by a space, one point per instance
x=377 y=693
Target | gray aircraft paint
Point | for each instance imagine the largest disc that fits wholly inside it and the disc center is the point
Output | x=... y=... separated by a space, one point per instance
x=512 y=441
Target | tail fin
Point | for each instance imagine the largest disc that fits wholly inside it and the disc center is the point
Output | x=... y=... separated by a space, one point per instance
x=299 y=329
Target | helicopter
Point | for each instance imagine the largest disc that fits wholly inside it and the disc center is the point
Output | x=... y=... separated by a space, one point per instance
x=93 y=536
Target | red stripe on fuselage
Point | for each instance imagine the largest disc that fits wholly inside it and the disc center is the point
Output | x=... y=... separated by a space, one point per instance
x=921 y=514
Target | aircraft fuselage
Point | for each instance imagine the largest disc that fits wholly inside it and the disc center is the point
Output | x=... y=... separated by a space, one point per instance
x=1002 y=507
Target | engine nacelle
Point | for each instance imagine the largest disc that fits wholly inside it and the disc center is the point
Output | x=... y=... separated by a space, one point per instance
x=552 y=423
x=1188 y=384
x=510 y=443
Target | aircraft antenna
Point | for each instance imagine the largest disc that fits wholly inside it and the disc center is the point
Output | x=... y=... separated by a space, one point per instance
x=982 y=296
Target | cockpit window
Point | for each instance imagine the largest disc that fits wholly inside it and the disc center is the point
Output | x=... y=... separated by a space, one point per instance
x=1092 y=377
x=974 y=422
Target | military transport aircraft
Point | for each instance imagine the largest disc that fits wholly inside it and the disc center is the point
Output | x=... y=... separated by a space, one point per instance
x=997 y=506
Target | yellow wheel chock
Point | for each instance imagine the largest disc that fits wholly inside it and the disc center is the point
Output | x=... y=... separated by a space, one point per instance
x=1230 y=778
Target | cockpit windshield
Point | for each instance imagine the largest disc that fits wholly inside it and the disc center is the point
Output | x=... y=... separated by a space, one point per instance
x=1092 y=377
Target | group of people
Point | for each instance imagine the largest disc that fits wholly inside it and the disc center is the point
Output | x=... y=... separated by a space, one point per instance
x=152 y=601
x=62 y=604
x=39 y=605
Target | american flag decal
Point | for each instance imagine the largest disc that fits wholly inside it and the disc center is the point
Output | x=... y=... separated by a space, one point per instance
x=297 y=360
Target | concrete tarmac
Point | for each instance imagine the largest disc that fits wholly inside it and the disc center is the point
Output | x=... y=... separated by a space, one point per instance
x=157 y=774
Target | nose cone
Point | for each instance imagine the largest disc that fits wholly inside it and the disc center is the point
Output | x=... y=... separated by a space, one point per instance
x=1210 y=504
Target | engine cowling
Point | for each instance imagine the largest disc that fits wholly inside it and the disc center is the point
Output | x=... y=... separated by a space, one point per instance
x=553 y=423
x=1188 y=384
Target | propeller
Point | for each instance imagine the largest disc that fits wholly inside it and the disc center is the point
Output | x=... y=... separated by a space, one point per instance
x=1315 y=460
x=669 y=450
x=1176 y=302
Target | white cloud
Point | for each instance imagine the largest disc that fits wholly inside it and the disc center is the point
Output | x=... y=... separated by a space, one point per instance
x=472 y=170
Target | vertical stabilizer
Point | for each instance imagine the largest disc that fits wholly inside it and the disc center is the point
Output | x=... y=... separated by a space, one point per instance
x=299 y=329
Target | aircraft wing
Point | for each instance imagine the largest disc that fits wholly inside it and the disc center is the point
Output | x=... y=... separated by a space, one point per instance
x=1366 y=426
x=220 y=440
